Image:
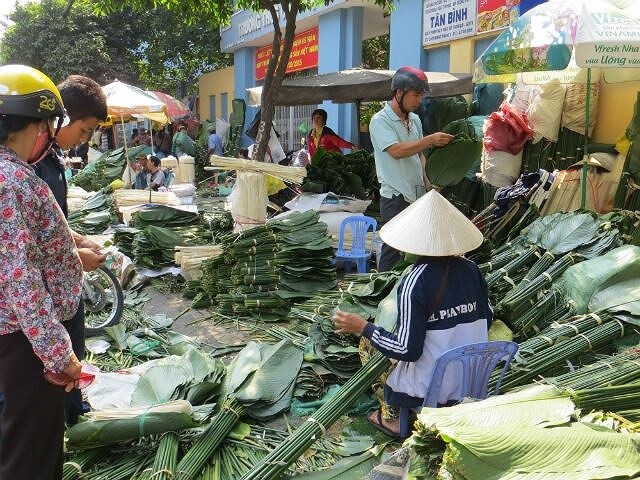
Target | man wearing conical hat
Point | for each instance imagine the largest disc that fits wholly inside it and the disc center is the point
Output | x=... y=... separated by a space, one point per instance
x=442 y=303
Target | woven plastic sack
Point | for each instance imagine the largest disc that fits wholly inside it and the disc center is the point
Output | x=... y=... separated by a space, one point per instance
x=545 y=110
x=574 y=111
x=500 y=169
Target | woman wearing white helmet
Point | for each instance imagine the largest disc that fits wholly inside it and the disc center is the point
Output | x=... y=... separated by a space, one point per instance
x=40 y=281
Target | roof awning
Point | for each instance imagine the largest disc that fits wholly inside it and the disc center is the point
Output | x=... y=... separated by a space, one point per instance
x=356 y=85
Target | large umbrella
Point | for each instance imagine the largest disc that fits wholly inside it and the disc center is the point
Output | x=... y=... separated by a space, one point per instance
x=124 y=100
x=557 y=38
x=175 y=109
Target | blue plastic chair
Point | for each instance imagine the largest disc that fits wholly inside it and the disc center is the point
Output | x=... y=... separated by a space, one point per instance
x=358 y=253
x=478 y=361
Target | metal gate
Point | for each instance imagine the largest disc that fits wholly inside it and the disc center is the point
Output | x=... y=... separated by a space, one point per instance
x=287 y=121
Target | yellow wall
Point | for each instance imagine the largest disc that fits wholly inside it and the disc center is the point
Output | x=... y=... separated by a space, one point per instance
x=615 y=110
x=215 y=83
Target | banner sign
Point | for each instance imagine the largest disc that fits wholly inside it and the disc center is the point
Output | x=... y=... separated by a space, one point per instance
x=608 y=37
x=304 y=54
x=496 y=14
x=446 y=20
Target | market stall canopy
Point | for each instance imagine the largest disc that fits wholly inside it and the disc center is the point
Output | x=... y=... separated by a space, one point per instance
x=124 y=100
x=350 y=86
x=175 y=109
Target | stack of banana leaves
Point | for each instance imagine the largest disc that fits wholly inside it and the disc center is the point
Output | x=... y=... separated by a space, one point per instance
x=162 y=216
x=106 y=169
x=520 y=269
x=304 y=256
x=123 y=238
x=217 y=222
x=153 y=247
x=353 y=174
x=331 y=358
x=253 y=275
x=537 y=432
x=96 y=214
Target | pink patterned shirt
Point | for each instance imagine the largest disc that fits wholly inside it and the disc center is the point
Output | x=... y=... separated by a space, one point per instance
x=40 y=270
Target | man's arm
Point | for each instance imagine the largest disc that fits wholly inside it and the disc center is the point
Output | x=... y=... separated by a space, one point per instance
x=402 y=150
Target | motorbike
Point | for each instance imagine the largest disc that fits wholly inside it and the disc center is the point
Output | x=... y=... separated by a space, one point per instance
x=103 y=300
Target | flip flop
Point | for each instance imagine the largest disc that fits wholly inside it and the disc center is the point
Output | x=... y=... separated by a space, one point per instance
x=379 y=425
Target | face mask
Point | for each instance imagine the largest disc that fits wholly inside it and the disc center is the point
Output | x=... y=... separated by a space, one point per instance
x=40 y=148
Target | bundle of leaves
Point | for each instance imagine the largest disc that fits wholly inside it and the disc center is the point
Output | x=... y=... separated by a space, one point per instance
x=351 y=175
x=153 y=247
x=106 y=169
x=95 y=215
x=163 y=216
x=449 y=164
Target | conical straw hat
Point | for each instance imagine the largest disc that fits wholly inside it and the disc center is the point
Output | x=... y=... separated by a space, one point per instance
x=431 y=226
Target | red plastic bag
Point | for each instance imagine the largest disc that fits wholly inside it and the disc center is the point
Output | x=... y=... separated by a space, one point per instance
x=506 y=130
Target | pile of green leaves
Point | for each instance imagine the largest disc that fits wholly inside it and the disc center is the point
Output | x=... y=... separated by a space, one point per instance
x=449 y=164
x=95 y=215
x=153 y=247
x=353 y=174
x=304 y=255
x=162 y=216
x=106 y=169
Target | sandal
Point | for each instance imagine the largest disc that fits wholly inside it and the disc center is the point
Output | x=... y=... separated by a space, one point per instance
x=380 y=426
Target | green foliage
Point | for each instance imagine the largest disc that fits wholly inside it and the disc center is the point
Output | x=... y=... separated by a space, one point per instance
x=375 y=52
x=157 y=48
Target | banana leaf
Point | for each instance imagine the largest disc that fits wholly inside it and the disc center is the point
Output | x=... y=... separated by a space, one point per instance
x=580 y=282
x=163 y=216
x=263 y=373
x=129 y=424
x=535 y=405
x=567 y=452
x=348 y=468
x=572 y=231
x=449 y=164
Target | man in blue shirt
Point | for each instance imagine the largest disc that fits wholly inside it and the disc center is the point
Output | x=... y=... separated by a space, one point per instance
x=214 y=142
x=398 y=146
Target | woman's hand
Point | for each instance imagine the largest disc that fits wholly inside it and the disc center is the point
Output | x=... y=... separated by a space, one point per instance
x=348 y=322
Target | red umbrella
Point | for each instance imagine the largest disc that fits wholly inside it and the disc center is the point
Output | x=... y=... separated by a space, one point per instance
x=176 y=110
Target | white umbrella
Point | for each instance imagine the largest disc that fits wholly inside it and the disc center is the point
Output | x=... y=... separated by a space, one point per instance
x=124 y=100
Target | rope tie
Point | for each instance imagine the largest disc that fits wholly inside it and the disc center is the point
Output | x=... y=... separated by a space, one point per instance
x=490 y=266
x=547 y=339
x=596 y=318
x=575 y=329
x=160 y=472
x=587 y=339
x=141 y=422
x=621 y=327
x=76 y=466
x=547 y=276
x=314 y=420
x=507 y=279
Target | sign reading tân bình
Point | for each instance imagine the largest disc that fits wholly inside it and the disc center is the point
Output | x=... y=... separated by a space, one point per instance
x=446 y=20
x=304 y=54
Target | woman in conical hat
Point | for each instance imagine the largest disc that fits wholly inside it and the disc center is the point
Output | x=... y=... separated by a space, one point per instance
x=442 y=304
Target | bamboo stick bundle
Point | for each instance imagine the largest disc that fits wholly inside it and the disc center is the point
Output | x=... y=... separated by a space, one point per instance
x=190 y=258
x=128 y=198
x=288 y=174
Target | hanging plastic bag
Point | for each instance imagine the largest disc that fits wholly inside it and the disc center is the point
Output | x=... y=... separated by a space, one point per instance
x=506 y=130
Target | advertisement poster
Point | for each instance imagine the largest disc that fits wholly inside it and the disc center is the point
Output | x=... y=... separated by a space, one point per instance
x=304 y=54
x=496 y=14
x=446 y=20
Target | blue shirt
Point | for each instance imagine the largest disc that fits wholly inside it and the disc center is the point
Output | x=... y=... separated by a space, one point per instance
x=215 y=144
